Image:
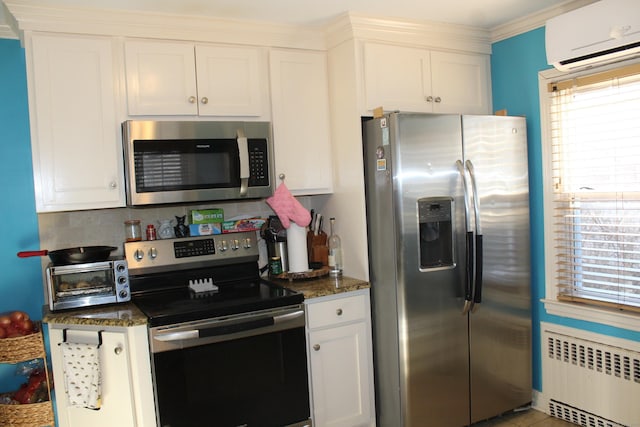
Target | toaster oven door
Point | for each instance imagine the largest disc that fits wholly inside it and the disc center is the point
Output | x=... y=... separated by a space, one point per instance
x=83 y=285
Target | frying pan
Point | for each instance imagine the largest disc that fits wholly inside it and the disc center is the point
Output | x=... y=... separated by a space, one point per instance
x=77 y=255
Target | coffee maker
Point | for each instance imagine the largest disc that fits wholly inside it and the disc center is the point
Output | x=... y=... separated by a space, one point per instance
x=275 y=235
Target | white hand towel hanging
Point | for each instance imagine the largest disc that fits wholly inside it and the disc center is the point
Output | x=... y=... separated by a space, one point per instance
x=82 y=379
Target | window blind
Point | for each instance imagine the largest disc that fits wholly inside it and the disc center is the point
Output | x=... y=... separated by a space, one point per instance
x=595 y=137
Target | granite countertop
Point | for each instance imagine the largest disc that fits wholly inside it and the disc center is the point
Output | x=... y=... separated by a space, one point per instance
x=323 y=286
x=127 y=314
x=122 y=315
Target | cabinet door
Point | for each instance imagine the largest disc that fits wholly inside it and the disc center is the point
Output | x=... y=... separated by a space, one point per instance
x=161 y=78
x=301 y=127
x=117 y=405
x=397 y=78
x=340 y=377
x=461 y=82
x=229 y=81
x=76 y=144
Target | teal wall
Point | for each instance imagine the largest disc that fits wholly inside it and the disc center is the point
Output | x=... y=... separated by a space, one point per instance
x=515 y=64
x=21 y=279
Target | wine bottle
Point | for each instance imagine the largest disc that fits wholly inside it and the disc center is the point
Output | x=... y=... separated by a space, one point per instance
x=335 y=252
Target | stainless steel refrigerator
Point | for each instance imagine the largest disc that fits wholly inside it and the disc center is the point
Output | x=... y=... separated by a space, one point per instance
x=448 y=229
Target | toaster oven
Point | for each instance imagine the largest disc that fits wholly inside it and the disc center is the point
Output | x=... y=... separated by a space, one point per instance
x=89 y=284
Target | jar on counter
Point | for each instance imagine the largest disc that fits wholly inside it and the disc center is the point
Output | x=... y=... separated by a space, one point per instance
x=132 y=230
x=151 y=232
x=275 y=266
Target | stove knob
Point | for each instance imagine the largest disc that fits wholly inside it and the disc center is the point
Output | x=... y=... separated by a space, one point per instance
x=123 y=294
x=153 y=253
x=223 y=246
x=138 y=254
x=247 y=243
x=235 y=245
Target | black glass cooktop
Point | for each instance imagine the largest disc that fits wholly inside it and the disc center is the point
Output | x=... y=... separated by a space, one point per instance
x=171 y=306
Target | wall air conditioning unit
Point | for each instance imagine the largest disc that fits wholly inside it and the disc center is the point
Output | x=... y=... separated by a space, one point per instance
x=602 y=32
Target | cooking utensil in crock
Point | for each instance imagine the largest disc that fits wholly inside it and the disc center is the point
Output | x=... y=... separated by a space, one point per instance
x=76 y=255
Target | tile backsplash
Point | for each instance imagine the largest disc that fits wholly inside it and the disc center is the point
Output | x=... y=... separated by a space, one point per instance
x=60 y=230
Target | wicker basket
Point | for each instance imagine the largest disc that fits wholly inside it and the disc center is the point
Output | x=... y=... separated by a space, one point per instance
x=22 y=349
x=28 y=415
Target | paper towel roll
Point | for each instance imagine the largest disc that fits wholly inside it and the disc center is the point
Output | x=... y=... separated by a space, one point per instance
x=297 y=248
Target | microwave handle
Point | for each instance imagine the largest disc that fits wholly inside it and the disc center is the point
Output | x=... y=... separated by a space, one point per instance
x=243 y=150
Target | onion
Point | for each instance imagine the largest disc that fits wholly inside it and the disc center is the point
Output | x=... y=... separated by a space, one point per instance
x=5 y=321
x=26 y=325
x=18 y=316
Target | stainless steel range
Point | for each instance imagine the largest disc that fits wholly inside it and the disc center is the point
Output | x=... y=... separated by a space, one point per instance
x=228 y=347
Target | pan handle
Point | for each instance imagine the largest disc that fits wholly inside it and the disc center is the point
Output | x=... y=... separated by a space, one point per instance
x=27 y=254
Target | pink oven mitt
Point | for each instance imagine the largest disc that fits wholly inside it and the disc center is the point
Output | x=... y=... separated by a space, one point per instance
x=288 y=208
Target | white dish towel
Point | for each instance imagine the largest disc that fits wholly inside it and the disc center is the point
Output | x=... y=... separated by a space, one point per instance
x=81 y=368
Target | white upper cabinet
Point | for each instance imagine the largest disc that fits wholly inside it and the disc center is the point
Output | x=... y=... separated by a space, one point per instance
x=301 y=126
x=419 y=80
x=75 y=135
x=165 y=78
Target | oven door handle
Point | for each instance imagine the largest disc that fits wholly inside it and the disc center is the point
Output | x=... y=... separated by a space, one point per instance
x=229 y=329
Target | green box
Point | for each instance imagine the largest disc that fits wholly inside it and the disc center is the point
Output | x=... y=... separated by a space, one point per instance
x=206 y=216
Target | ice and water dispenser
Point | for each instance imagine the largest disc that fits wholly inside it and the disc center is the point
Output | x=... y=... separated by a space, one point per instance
x=436 y=232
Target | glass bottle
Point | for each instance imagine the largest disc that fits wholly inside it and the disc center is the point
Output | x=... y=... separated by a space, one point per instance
x=132 y=230
x=335 y=252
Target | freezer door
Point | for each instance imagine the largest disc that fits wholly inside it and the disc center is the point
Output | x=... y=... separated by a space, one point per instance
x=420 y=334
x=500 y=326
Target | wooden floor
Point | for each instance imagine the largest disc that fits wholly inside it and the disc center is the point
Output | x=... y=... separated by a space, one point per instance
x=527 y=418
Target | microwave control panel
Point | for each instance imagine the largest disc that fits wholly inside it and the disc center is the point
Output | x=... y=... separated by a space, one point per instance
x=258 y=163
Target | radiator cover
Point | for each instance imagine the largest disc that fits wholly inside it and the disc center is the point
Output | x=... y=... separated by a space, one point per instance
x=590 y=379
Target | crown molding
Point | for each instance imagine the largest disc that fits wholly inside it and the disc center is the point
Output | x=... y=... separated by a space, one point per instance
x=417 y=33
x=20 y=18
x=163 y=26
x=7 y=24
x=6 y=32
x=536 y=20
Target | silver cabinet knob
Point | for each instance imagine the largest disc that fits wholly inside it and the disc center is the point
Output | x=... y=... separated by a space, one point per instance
x=339 y=312
x=316 y=347
x=117 y=350
x=204 y=100
x=429 y=98
x=438 y=99
x=192 y=100
x=113 y=185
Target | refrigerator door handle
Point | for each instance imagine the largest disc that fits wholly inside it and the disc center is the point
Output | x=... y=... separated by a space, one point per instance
x=477 y=281
x=468 y=288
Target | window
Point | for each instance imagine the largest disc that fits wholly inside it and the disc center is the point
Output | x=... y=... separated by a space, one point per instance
x=594 y=129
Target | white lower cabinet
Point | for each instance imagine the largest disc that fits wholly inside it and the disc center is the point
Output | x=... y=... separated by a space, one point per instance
x=127 y=391
x=340 y=357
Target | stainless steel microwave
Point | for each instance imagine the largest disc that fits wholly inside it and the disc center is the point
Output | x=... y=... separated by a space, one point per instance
x=196 y=161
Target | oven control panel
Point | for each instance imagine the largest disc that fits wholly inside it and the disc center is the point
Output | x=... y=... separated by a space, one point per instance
x=189 y=250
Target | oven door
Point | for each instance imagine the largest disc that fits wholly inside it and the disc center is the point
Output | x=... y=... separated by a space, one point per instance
x=247 y=370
